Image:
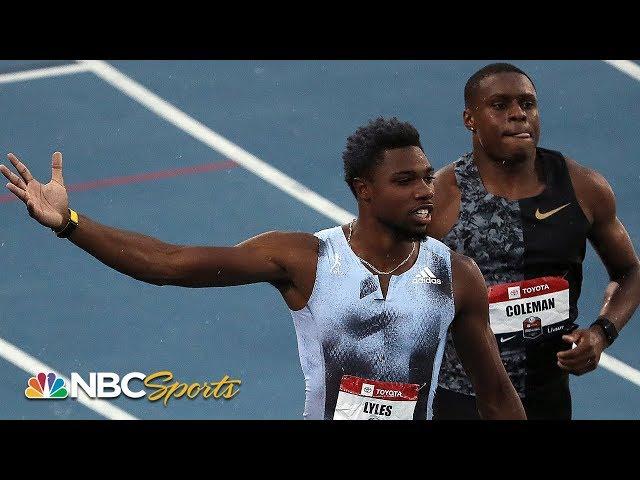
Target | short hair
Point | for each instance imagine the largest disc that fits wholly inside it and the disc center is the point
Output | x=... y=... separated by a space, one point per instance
x=366 y=145
x=474 y=80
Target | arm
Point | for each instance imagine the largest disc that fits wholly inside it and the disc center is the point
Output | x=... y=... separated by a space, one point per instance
x=263 y=258
x=476 y=345
x=611 y=240
x=269 y=257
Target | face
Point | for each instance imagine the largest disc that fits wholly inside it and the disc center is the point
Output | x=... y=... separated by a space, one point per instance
x=504 y=114
x=399 y=191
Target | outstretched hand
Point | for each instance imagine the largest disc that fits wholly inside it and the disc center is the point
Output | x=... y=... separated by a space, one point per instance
x=49 y=203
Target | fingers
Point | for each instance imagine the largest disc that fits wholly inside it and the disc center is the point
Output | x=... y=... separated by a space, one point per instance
x=13 y=178
x=56 y=168
x=20 y=167
x=577 y=349
x=581 y=359
x=581 y=350
x=576 y=362
x=572 y=337
x=18 y=192
x=581 y=369
x=17 y=185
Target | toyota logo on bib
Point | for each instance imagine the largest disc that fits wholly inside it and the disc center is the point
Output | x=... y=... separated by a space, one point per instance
x=367 y=390
x=514 y=292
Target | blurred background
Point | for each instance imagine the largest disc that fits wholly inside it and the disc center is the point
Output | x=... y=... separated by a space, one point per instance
x=157 y=161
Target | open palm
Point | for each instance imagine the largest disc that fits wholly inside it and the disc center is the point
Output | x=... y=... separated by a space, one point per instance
x=49 y=203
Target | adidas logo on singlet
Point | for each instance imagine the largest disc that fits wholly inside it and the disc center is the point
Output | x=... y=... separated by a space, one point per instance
x=426 y=276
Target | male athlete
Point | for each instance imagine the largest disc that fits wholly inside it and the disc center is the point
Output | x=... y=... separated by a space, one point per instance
x=371 y=301
x=524 y=214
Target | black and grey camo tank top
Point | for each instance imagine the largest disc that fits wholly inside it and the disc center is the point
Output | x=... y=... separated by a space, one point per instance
x=530 y=252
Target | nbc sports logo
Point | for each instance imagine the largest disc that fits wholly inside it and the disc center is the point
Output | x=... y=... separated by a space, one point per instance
x=45 y=386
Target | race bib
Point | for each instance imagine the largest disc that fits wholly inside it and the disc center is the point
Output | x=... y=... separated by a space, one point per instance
x=529 y=309
x=362 y=399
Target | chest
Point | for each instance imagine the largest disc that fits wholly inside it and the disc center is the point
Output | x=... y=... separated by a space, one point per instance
x=494 y=231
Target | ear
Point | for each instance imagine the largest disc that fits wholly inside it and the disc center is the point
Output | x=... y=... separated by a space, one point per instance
x=468 y=120
x=362 y=186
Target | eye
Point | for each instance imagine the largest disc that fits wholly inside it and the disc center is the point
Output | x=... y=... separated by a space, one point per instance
x=528 y=104
x=403 y=181
x=498 y=105
x=429 y=178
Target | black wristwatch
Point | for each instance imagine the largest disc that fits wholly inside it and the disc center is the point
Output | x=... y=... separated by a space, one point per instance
x=609 y=329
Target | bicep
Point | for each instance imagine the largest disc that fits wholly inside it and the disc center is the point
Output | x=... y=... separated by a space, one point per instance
x=476 y=346
x=474 y=341
x=608 y=235
x=263 y=258
x=614 y=246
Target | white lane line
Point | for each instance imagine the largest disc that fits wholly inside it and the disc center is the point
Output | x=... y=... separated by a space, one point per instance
x=259 y=167
x=619 y=368
x=33 y=366
x=42 y=73
x=201 y=132
x=626 y=66
x=10 y=352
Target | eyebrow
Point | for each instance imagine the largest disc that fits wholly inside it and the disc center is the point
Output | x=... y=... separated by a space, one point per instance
x=496 y=96
x=430 y=171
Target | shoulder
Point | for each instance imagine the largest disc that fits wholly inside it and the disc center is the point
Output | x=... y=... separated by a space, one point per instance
x=331 y=232
x=445 y=185
x=587 y=177
x=465 y=269
x=284 y=242
x=445 y=177
x=446 y=201
x=593 y=191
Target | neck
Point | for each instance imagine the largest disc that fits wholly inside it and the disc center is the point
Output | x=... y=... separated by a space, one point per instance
x=378 y=244
x=509 y=179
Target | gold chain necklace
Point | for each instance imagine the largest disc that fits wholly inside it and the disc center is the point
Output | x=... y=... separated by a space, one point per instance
x=378 y=272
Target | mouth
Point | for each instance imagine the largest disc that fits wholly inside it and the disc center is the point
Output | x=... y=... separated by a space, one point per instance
x=422 y=214
x=525 y=135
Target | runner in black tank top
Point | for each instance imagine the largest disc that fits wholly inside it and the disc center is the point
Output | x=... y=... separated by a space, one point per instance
x=511 y=244
x=524 y=214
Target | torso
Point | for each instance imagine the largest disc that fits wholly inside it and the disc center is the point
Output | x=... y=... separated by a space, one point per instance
x=349 y=330
x=534 y=246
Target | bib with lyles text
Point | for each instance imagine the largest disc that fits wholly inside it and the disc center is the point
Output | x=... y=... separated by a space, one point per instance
x=363 y=399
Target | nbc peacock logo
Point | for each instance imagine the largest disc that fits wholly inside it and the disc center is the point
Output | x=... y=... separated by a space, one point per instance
x=45 y=386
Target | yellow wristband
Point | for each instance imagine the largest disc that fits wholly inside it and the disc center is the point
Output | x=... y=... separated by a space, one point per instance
x=70 y=226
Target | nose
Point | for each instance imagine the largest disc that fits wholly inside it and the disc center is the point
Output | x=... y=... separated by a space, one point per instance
x=516 y=112
x=425 y=190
